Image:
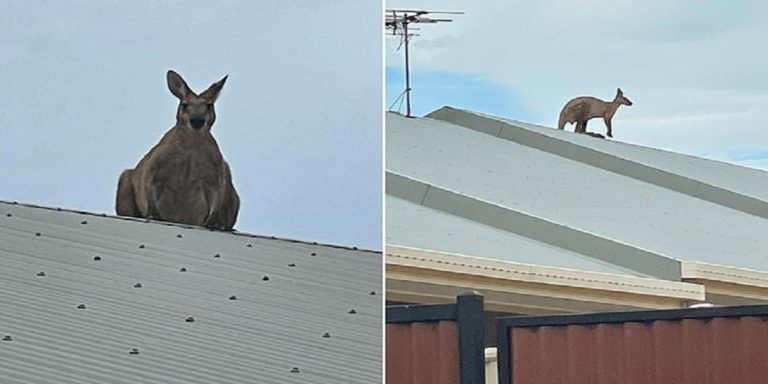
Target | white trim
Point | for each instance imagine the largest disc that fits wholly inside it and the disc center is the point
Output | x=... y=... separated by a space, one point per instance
x=726 y=274
x=466 y=265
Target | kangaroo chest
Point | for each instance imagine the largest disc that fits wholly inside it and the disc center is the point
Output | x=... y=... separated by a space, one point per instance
x=188 y=170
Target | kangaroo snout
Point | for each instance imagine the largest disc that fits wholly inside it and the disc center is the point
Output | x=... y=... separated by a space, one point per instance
x=197 y=123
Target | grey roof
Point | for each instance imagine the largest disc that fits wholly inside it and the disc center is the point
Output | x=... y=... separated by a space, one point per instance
x=640 y=208
x=426 y=228
x=80 y=294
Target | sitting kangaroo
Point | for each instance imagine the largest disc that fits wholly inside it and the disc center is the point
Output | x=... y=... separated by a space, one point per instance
x=184 y=178
x=581 y=109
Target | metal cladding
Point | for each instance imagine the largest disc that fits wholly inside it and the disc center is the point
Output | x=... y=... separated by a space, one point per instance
x=87 y=304
x=691 y=346
x=436 y=343
x=423 y=353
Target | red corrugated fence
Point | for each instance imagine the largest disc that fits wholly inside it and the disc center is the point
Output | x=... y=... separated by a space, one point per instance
x=692 y=346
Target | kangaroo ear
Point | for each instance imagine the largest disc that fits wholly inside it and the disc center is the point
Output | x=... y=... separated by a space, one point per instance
x=212 y=93
x=177 y=85
x=619 y=92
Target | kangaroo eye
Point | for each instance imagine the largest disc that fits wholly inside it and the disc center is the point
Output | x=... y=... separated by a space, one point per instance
x=209 y=106
x=184 y=105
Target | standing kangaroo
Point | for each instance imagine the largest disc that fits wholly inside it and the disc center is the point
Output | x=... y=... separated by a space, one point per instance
x=184 y=178
x=581 y=109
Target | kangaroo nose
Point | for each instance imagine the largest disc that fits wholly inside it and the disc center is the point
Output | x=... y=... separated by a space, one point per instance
x=197 y=123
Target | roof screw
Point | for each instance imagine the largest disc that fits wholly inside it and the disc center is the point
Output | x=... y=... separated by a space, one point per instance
x=249 y=245
x=352 y=311
x=81 y=306
x=373 y=293
x=103 y=215
x=141 y=246
x=7 y=338
x=190 y=319
x=216 y=256
x=265 y=278
x=292 y=264
x=133 y=351
x=295 y=370
x=83 y=222
x=179 y=235
x=8 y=215
x=37 y=233
x=41 y=274
x=137 y=285
x=326 y=335
x=97 y=258
x=182 y=269
x=233 y=297
x=313 y=254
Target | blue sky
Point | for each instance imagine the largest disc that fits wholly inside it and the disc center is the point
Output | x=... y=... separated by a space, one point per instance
x=694 y=70
x=434 y=89
x=298 y=120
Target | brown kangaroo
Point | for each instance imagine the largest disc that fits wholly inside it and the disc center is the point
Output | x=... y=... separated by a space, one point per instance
x=184 y=178
x=581 y=109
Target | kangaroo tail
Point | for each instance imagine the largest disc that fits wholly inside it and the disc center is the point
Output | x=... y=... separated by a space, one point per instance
x=561 y=121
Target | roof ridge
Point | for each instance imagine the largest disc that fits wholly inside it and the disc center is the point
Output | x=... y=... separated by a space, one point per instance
x=187 y=226
x=664 y=178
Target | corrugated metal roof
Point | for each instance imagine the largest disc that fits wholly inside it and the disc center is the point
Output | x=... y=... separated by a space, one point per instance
x=92 y=299
x=600 y=203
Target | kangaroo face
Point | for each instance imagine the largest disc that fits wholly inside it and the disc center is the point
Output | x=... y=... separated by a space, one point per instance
x=195 y=112
x=621 y=99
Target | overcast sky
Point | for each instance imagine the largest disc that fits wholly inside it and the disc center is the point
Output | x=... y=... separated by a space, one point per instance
x=299 y=119
x=696 y=70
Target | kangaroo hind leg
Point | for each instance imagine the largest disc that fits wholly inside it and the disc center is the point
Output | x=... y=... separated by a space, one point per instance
x=125 y=202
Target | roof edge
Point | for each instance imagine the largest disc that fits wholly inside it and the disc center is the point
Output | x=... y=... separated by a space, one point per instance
x=469 y=265
x=187 y=226
x=721 y=273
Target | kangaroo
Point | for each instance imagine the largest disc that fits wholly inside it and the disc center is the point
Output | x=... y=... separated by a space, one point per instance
x=581 y=109
x=184 y=178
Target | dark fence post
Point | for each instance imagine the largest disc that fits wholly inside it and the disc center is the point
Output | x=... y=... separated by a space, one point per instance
x=469 y=315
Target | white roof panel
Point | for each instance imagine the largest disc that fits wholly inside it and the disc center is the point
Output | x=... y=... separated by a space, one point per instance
x=569 y=193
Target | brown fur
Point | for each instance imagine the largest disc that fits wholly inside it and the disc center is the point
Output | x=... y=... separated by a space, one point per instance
x=581 y=109
x=184 y=178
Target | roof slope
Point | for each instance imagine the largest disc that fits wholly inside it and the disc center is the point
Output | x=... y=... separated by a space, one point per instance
x=646 y=210
x=91 y=299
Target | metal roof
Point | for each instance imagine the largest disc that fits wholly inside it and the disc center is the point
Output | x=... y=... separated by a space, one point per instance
x=88 y=298
x=427 y=228
x=522 y=193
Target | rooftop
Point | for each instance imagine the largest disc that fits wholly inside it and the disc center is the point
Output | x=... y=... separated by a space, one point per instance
x=460 y=182
x=104 y=299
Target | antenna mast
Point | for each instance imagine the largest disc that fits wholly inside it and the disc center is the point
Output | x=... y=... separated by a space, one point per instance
x=396 y=22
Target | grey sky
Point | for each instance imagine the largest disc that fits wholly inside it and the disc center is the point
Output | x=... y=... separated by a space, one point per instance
x=694 y=69
x=299 y=119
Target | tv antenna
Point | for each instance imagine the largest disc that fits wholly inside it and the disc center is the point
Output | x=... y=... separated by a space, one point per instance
x=397 y=22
